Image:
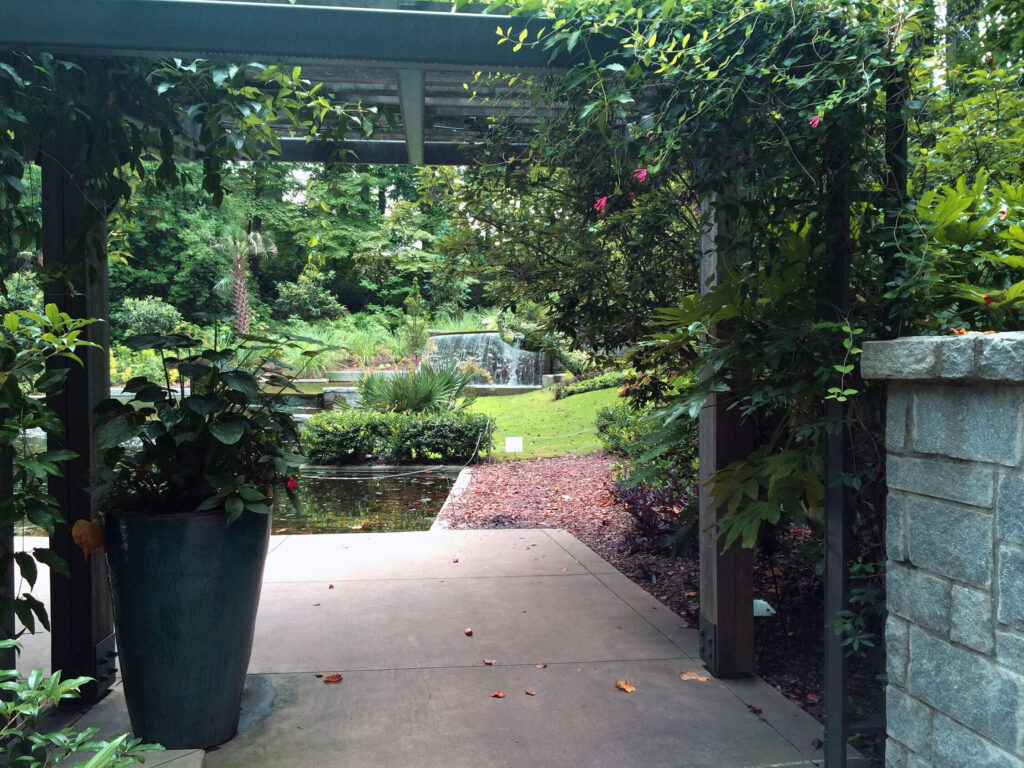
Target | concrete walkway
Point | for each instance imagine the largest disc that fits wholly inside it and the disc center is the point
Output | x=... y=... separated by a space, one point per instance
x=389 y=612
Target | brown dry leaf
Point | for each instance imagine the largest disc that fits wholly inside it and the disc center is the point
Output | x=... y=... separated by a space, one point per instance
x=542 y=666
x=625 y=685
x=498 y=695
x=489 y=662
x=316 y=605
x=754 y=709
x=468 y=632
x=693 y=676
x=88 y=535
x=455 y=559
x=530 y=693
x=564 y=570
x=317 y=675
x=335 y=678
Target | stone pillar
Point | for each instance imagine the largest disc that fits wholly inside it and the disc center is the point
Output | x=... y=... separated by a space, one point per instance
x=955 y=545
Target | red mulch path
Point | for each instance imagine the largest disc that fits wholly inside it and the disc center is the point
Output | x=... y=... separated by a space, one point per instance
x=577 y=493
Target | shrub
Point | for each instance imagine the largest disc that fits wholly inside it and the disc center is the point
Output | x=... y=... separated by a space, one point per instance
x=308 y=299
x=441 y=437
x=352 y=436
x=126 y=364
x=349 y=436
x=146 y=315
x=658 y=479
x=589 y=383
x=428 y=390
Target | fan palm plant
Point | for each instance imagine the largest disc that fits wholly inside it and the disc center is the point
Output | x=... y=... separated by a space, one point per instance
x=428 y=390
x=240 y=246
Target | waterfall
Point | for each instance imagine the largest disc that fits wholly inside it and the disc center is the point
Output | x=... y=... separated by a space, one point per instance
x=508 y=364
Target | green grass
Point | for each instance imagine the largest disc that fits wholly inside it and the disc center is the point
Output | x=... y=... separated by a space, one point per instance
x=540 y=419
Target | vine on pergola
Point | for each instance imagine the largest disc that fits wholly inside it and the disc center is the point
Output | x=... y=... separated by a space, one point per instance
x=776 y=120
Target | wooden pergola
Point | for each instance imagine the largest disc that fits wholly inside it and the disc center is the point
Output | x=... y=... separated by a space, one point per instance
x=412 y=61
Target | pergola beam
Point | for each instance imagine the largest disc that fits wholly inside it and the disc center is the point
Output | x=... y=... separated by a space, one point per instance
x=410 y=93
x=243 y=31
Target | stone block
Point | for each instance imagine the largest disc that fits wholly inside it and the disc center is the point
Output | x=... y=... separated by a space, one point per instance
x=1010 y=508
x=971 y=619
x=950 y=540
x=918 y=596
x=957 y=356
x=896 y=527
x=954 y=746
x=966 y=686
x=1011 y=586
x=966 y=482
x=1010 y=650
x=906 y=358
x=978 y=424
x=895 y=754
x=916 y=761
x=907 y=720
x=1001 y=358
x=897 y=412
x=897 y=650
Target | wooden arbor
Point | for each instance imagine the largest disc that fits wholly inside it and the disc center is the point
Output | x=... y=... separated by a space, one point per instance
x=412 y=61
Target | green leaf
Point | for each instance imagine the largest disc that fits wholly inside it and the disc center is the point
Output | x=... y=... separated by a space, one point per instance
x=115 y=432
x=244 y=382
x=234 y=507
x=229 y=428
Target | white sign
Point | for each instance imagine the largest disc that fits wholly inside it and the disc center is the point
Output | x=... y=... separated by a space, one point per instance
x=513 y=445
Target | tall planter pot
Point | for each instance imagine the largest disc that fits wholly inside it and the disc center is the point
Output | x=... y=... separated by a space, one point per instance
x=185 y=590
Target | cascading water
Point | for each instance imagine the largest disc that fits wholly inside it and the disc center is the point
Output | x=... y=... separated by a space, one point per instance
x=508 y=364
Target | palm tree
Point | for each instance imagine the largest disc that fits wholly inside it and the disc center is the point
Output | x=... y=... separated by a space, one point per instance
x=241 y=245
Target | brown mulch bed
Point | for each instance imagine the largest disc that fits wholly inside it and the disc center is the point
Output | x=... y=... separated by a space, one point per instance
x=577 y=493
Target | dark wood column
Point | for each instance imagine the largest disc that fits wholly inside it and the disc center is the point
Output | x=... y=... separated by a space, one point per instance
x=726 y=578
x=74 y=238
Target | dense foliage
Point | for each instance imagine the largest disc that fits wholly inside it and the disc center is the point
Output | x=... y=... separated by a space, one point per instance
x=588 y=383
x=357 y=437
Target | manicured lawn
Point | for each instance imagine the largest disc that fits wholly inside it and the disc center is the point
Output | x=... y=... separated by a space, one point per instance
x=548 y=427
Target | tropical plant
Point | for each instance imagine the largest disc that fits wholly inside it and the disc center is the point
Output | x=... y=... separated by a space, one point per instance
x=428 y=390
x=308 y=298
x=26 y=699
x=214 y=442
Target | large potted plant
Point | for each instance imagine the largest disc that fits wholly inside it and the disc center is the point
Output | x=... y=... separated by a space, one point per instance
x=185 y=500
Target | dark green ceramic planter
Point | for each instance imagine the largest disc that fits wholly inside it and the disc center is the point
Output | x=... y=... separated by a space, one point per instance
x=185 y=590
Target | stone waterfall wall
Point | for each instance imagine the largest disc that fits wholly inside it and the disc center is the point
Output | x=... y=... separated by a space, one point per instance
x=955 y=543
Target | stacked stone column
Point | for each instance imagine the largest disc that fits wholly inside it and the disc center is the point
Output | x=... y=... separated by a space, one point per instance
x=955 y=546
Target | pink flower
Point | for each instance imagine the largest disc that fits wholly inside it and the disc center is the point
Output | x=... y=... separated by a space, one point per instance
x=641 y=174
x=601 y=204
x=292 y=483
x=814 y=122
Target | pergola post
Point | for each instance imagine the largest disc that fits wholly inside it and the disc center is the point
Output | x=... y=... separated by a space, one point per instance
x=726 y=577
x=74 y=239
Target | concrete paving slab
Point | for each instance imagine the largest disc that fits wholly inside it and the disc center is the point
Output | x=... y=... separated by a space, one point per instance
x=416 y=692
x=446 y=718
x=404 y=623
x=417 y=554
x=654 y=612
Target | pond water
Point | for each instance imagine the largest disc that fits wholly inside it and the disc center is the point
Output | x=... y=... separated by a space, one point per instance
x=345 y=504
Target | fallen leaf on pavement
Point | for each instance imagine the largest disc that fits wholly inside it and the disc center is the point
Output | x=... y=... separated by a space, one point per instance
x=455 y=559
x=542 y=666
x=530 y=693
x=468 y=632
x=625 y=685
x=489 y=662
x=330 y=586
x=498 y=695
x=693 y=676
x=754 y=708
x=335 y=678
x=564 y=570
x=317 y=675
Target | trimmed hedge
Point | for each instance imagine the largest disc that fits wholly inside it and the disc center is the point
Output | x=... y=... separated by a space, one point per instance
x=370 y=437
x=590 y=383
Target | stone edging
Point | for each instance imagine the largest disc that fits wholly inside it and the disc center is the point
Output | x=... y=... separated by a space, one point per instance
x=459 y=487
x=997 y=357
